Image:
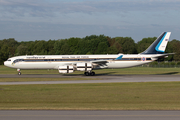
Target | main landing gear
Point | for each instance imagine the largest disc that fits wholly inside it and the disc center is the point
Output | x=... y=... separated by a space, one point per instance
x=19 y=71
x=89 y=73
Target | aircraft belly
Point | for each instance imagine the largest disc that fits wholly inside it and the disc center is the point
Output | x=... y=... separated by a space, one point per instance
x=124 y=64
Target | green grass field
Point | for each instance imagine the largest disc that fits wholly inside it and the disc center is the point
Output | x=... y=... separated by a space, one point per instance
x=102 y=96
x=44 y=79
x=134 y=70
x=111 y=96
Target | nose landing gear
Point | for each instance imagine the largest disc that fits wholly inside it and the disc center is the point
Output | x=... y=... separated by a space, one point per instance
x=19 y=71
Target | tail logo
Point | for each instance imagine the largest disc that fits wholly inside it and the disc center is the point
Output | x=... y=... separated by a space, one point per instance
x=163 y=42
x=159 y=45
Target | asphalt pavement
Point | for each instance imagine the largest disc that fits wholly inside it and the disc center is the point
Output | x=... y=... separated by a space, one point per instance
x=102 y=79
x=88 y=115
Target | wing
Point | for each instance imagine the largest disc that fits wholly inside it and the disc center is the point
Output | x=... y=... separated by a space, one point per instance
x=102 y=63
x=95 y=63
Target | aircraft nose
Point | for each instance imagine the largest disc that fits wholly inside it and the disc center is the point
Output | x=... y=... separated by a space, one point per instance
x=6 y=63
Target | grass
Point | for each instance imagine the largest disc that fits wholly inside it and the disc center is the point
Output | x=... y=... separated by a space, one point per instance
x=134 y=70
x=140 y=71
x=98 y=96
x=44 y=79
x=6 y=70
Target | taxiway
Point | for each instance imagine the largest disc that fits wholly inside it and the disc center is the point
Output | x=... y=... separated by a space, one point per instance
x=88 y=115
x=102 y=79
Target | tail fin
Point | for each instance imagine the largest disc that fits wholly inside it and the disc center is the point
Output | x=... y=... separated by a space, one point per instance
x=159 y=45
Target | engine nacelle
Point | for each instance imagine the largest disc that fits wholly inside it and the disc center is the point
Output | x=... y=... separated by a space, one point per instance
x=84 y=66
x=66 y=69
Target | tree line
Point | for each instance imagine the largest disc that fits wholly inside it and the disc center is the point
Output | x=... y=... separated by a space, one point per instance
x=93 y=44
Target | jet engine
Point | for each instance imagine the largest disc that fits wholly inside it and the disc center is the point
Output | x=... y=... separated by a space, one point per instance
x=66 y=69
x=84 y=66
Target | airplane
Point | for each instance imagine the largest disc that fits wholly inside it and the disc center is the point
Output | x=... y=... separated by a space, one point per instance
x=88 y=63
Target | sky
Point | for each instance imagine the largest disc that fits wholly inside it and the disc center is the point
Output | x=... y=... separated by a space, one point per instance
x=29 y=20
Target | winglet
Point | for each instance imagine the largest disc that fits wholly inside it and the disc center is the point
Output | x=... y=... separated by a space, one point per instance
x=119 y=58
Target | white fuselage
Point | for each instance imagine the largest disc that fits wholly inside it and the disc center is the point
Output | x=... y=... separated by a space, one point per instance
x=87 y=63
x=54 y=61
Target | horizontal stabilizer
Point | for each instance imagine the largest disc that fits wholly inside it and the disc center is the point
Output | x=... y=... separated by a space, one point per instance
x=162 y=55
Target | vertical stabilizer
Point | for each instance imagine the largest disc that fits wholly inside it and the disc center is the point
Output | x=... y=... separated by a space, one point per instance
x=159 y=45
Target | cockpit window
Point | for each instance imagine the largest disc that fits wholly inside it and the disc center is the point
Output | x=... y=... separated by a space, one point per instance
x=18 y=60
x=9 y=60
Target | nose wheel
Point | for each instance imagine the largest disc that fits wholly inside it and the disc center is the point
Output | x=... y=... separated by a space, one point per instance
x=19 y=71
x=89 y=73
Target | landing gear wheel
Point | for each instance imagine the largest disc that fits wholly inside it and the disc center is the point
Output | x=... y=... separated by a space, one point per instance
x=92 y=73
x=19 y=71
x=86 y=73
x=89 y=73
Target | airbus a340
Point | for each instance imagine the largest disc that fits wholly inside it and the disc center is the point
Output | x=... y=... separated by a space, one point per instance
x=87 y=63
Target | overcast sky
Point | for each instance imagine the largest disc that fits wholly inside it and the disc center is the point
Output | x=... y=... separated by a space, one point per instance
x=29 y=20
